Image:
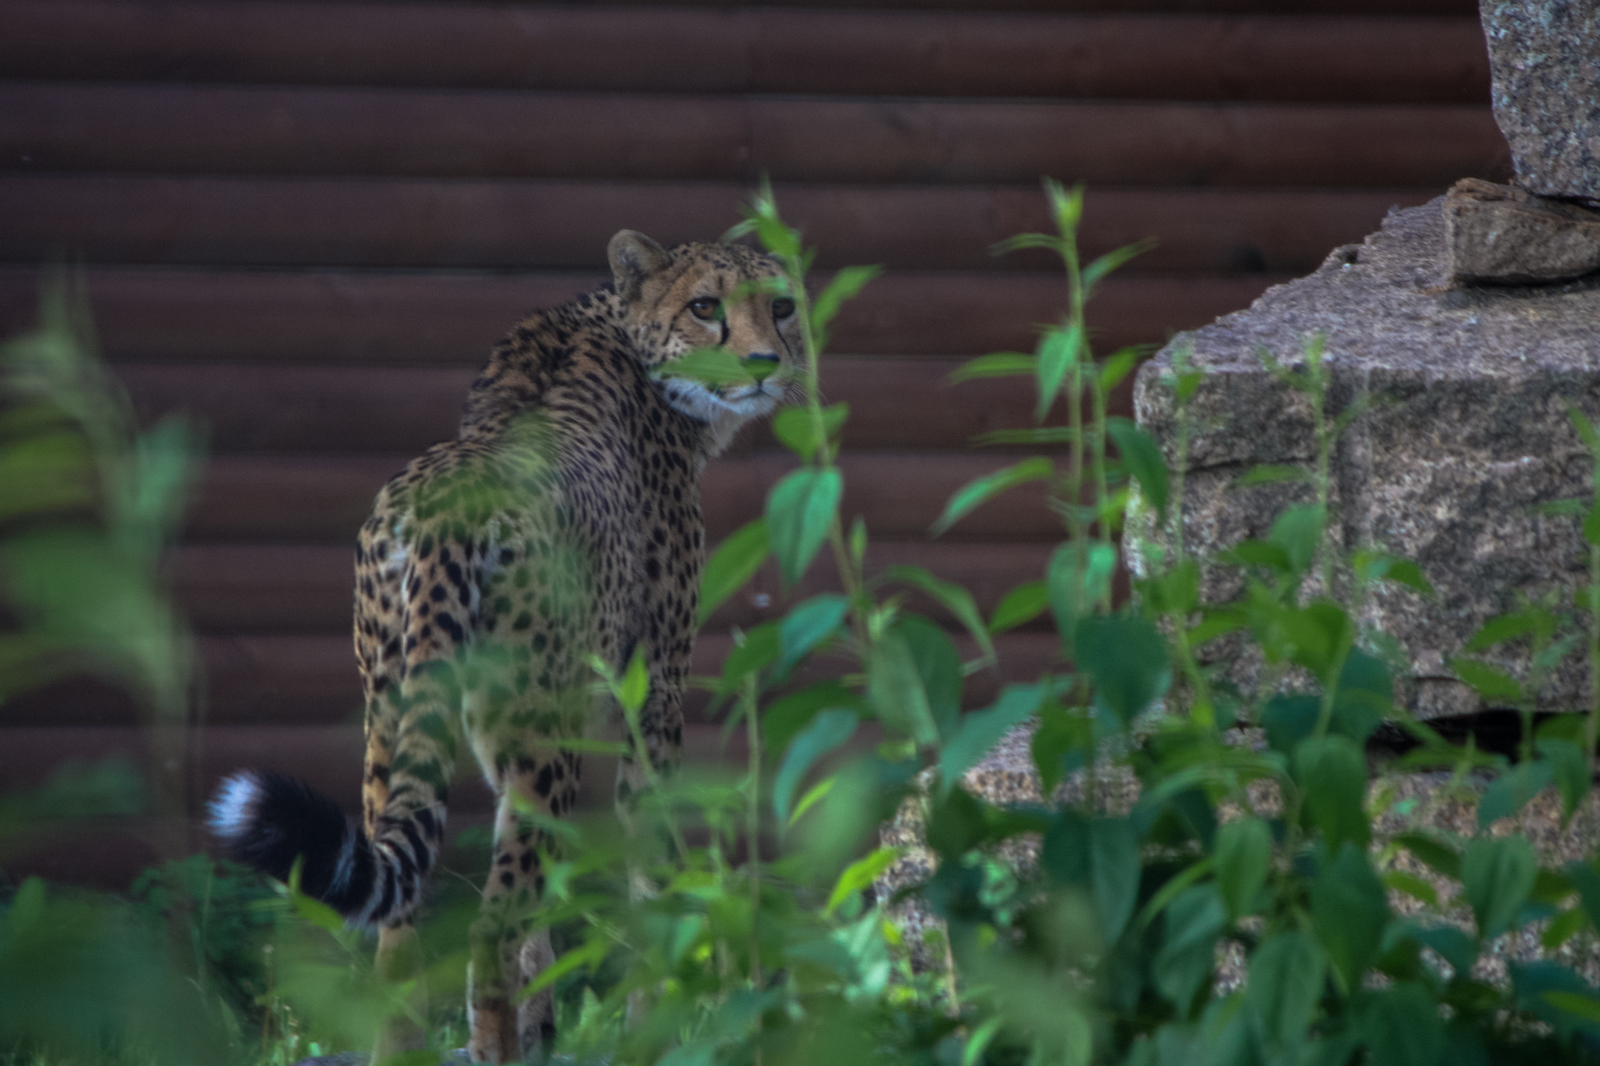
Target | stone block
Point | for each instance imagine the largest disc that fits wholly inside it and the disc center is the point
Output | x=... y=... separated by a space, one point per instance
x=1544 y=58
x=1467 y=430
x=1503 y=235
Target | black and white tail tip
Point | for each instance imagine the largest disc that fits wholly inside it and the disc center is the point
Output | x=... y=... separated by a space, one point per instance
x=267 y=821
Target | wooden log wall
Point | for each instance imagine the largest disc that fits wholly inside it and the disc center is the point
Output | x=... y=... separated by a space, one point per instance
x=306 y=223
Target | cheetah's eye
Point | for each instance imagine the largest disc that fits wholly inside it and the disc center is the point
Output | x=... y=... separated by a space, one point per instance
x=705 y=308
x=782 y=308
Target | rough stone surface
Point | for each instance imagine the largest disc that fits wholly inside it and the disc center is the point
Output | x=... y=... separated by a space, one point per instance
x=1468 y=429
x=1544 y=56
x=1501 y=234
x=1407 y=802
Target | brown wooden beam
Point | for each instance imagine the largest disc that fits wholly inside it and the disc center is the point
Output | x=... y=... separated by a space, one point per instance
x=526 y=225
x=331 y=317
x=307 y=589
x=486 y=134
x=900 y=403
x=310 y=683
x=324 y=498
x=948 y=53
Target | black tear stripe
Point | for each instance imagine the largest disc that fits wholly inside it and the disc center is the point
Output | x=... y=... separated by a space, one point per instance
x=724 y=325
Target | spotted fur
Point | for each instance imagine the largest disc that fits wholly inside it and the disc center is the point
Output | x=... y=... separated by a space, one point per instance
x=563 y=522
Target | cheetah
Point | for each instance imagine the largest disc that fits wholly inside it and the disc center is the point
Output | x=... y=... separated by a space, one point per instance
x=563 y=523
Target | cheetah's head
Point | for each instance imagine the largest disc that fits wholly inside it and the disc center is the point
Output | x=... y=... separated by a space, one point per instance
x=702 y=296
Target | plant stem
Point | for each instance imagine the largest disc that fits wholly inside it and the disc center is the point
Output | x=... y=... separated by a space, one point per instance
x=1592 y=733
x=752 y=829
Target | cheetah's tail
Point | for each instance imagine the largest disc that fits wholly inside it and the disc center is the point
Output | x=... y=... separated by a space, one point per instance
x=268 y=820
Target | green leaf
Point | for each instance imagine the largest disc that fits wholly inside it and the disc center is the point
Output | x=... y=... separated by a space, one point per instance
x=846 y=285
x=1059 y=744
x=1411 y=885
x=733 y=563
x=980 y=731
x=1066 y=206
x=1243 y=857
x=1033 y=435
x=1058 y=351
x=860 y=874
x=1317 y=636
x=754 y=650
x=796 y=429
x=1365 y=696
x=947 y=594
x=1267 y=474
x=1332 y=774
x=1572 y=774
x=1437 y=855
x=1585 y=428
x=1586 y=880
x=1562 y=928
x=800 y=510
x=1078 y=578
x=1185 y=385
x=634 y=687
x=1126 y=656
x=1020 y=606
x=1289 y=718
x=710 y=366
x=827 y=731
x=1513 y=625
x=1585 y=1007
x=1512 y=790
x=1497 y=875
x=1143 y=458
x=808 y=624
x=814 y=795
x=895 y=690
x=1105 y=264
x=1351 y=908
x=1114 y=873
x=1285 y=985
x=1401 y=1025
x=1194 y=921
x=1119 y=365
x=1454 y=945
x=995 y=365
x=1406 y=572
x=937 y=665
x=1490 y=683
x=1298 y=531
x=980 y=489
x=789 y=714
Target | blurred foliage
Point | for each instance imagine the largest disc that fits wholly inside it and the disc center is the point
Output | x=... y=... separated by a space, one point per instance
x=747 y=917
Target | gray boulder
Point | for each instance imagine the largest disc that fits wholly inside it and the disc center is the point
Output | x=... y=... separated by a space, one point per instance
x=1468 y=430
x=1544 y=58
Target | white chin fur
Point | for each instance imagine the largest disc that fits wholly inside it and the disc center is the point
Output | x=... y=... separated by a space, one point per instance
x=698 y=402
x=233 y=809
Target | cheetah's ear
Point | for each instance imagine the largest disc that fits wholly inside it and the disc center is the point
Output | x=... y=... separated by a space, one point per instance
x=634 y=257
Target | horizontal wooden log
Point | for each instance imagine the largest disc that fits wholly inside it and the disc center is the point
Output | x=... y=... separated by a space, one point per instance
x=565 y=225
x=328 y=317
x=308 y=589
x=949 y=53
x=900 y=403
x=486 y=134
x=311 y=681
x=324 y=499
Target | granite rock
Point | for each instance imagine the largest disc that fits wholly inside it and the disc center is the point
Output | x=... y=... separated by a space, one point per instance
x=1501 y=234
x=1544 y=58
x=1467 y=430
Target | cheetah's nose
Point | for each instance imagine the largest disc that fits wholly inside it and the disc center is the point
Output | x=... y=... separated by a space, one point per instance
x=760 y=364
